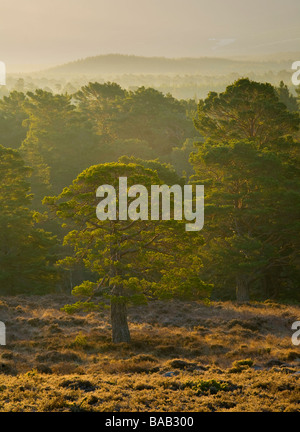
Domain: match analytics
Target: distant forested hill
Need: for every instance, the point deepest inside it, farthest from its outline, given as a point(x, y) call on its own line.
point(117, 63)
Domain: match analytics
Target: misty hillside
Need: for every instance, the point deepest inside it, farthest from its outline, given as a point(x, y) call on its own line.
point(130, 64)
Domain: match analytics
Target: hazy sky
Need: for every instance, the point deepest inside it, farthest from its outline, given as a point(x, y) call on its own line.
point(57, 31)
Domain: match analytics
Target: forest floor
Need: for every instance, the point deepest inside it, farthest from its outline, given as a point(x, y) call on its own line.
point(184, 357)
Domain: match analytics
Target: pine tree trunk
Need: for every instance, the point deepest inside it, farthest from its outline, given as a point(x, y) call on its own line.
point(242, 289)
point(120, 330)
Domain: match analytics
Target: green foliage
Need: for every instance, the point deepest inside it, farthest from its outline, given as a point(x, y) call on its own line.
point(286, 97)
point(165, 171)
point(131, 260)
point(85, 289)
point(81, 306)
point(80, 341)
point(244, 362)
point(132, 147)
point(57, 145)
point(12, 115)
point(180, 157)
point(211, 386)
point(26, 252)
point(60, 135)
point(247, 157)
point(246, 110)
point(250, 170)
point(146, 115)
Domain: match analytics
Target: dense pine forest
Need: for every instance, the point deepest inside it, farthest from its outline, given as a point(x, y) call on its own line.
point(241, 144)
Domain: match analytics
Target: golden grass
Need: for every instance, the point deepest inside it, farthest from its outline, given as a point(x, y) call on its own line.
point(184, 356)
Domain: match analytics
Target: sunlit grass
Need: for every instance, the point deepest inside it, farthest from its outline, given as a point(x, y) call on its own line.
point(217, 357)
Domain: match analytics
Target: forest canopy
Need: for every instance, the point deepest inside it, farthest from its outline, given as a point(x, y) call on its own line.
point(242, 144)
